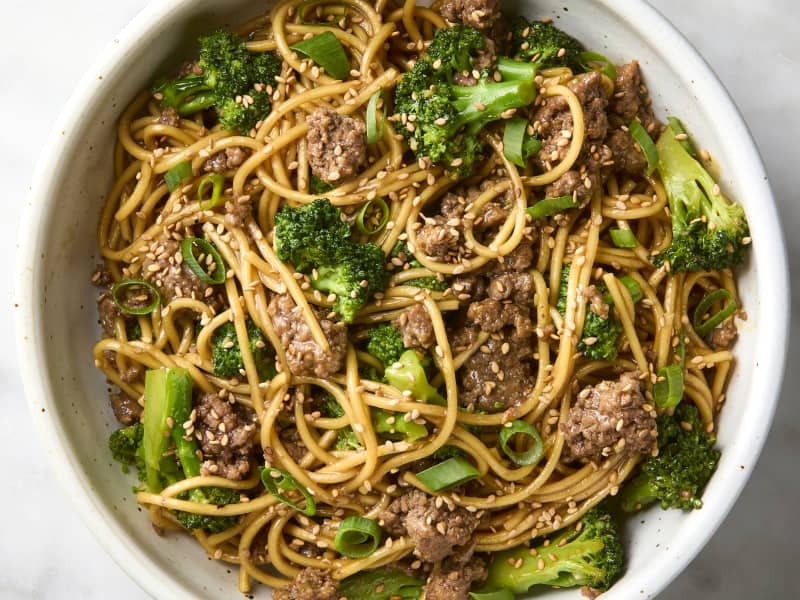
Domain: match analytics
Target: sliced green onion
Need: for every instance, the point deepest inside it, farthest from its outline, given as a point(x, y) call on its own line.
point(358, 537)
point(588, 59)
point(623, 238)
point(533, 454)
point(502, 594)
point(374, 123)
point(132, 289)
point(216, 181)
point(327, 51)
point(551, 206)
point(634, 289)
point(646, 143)
point(677, 127)
point(703, 328)
point(277, 481)
point(513, 139)
point(176, 174)
point(216, 276)
point(454, 471)
point(668, 390)
point(380, 203)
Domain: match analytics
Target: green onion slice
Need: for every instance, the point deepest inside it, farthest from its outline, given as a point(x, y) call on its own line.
point(530, 456)
point(703, 328)
point(591, 60)
point(364, 213)
point(518, 146)
point(646, 143)
point(176, 174)
point(668, 390)
point(502, 594)
point(633, 287)
point(277, 481)
point(551, 206)
point(677, 127)
point(623, 238)
point(206, 248)
point(130, 296)
point(327, 51)
point(454, 471)
point(358, 537)
point(216, 181)
point(375, 123)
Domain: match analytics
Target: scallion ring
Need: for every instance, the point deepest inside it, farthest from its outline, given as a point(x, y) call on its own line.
point(634, 289)
point(277, 481)
point(677, 127)
point(530, 456)
point(375, 123)
point(622, 238)
point(327, 51)
point(703, 328)
point(216, 181)
point(451, 472)
point(176, 174)
point(607, 68)
point(363, 216)
point(212, 277)
point(129, 287)
point(358, 537)
point(646, 143)
point(551, 206)
point(668, 390)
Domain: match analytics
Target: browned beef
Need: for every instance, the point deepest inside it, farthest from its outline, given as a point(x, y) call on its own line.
point(493, 316)
point(108, 311)
point(519, 259)
point(304, 355)
point(631, 99)
point(291, 440)
point(438, 240)
point(452, 581)
point(480, 14)
point(224, 161)
point(163, 266)
point(722, 337)
point(226, 433)
point(484, 59)
point(435, 525)
point(126, 409)
point(492, 215)
point(169, 116)
point(608, 414)
point(627, 154)
point(310, 584)
point(416, 327)
point(237, 211)
point(597, 302)
point(337, 145)
point(512, 285)
point(469, 287)
point(498, 376)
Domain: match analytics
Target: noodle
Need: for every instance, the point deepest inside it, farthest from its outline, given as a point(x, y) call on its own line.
point(271, 543)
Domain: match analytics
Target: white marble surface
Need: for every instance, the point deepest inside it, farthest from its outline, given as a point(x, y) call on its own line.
point(45, 551)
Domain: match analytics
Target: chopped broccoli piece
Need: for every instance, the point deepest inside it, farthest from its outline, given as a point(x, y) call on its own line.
point(209, 495)
point(590, 557)
point(433, 283)
point(393, 426)
point(317, 185)
point(385, 344)
point(228, 71)
point(133, 331)
point(544, 44)
point(408, 374)
point(685, 462)
point(346, 438)
point(316, 239)
point(381, 584)
point(126, 447)
point(708, 232)
point(227, 359)
point(447, 117)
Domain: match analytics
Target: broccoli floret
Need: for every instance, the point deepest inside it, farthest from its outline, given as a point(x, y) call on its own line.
point(408, 375)
point(544, 44)
point(385, 344)
point(316, 239)
point(126, 447)
point(381, 584)
point(133, 331)
point(346, 438)
point(708, 232)
point(447, 117)
point(317, 185)
point(386, 427)
point(228, 71)
point(590, 557)
point(209, 495)
point(602, 334)
point(227, 359)
point(685, 462)
point(433, 283)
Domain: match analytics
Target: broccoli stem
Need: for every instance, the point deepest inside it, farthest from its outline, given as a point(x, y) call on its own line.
point(408, 375)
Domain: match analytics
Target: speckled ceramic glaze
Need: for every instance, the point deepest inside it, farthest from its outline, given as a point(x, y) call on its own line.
point(57, 321)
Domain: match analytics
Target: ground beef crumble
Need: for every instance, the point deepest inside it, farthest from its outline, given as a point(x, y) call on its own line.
point(454, 578)
point(416, 327)
point(162, 265)
point(226, 433)
point(226, 160)
point(337, 145)
point(310, 584)
point(126, 409)
point(480, 14)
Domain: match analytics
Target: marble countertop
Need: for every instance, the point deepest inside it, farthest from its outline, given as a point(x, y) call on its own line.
point(45, 550)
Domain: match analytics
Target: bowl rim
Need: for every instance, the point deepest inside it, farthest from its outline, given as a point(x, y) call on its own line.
point(682, 58)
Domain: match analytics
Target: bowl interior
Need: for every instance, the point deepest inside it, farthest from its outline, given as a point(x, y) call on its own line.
point(59, 325)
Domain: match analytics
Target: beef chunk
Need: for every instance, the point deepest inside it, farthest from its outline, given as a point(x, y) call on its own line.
point(597, 302)
point(498, 376)
point(163, 266)
point(480, 14)
point(722, 337)
point(437, 239)
point(310, 584)
point(226, 433)
point(291, 440)
point(304, 355)
point(435, 525)
point(225, 161)
point(416, 327)
point(484, 60)
point(169, 116)
point(608, 414)
point(627, 155)
point(514, 286)
point(126, 409)
point(108, 311)
point(631, 99)
point(493, 316)
point(237, 211)
point(452, 581)
point(337, 145)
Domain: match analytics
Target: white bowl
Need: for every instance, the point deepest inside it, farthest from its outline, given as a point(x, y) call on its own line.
point(57, 319)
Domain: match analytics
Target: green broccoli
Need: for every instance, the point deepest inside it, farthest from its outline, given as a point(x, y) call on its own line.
point(167, 405)
point(381, 584)
point(591, 556)
point(408, 375)
point(544, 44)
point(125, 445)
point(226, 355)
point(708, 232)
point(685, 462)
point(385, 343)
point(433, 283)
point(317, 185)
point(232, 81)
point(316, 239)
point(442, 119)
point(133, 331)
point(346, 438)
point(600, 335)
point(387, 425)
